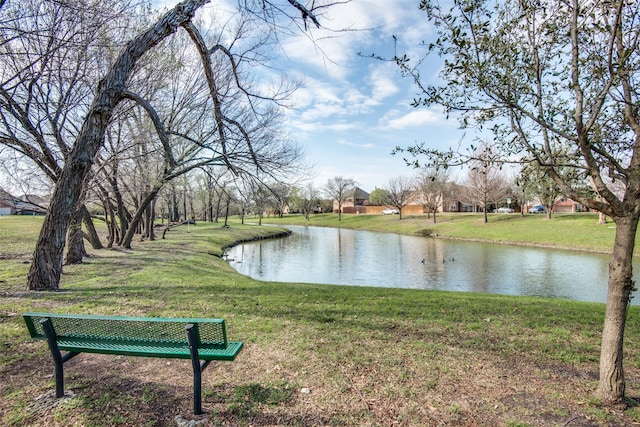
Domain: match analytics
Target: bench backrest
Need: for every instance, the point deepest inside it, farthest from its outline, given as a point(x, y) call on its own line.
point(211, 332)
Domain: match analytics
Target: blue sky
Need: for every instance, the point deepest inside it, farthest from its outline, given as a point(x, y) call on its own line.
point(352, 111)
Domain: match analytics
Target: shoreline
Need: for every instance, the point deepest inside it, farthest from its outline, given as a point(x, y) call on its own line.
point(524, 244)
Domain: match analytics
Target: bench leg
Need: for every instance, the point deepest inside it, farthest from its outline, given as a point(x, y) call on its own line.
point(58, 358)
point(197, 368)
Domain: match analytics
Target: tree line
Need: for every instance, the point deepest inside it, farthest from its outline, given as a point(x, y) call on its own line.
point(113, 103)
point(485, 184)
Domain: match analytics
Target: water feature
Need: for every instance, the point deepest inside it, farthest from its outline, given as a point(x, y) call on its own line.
point(362, 258)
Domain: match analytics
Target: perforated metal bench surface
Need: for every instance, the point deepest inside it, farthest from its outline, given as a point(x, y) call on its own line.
point(181, 338)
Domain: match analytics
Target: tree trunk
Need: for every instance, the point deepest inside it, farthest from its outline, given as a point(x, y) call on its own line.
point(75, 248)
point(46, 267)
point(219, 201)
point(611, 386)
point(176, 211)
point(152, 217)
point(184, 205)
point(121, 210)
point(226, 214)
point(602, 218)
point(113, 228)
point(126, 241)
point(92, 234)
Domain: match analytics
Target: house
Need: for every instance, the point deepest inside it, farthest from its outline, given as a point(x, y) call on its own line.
point(561, 205)
point(566, 205)
point(6, 208)
point(355, 202)
point(358, 203)
point(7, 203)
point(28, 205)
point(452, 200)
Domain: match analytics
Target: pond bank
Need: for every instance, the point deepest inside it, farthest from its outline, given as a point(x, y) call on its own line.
point(577, 232)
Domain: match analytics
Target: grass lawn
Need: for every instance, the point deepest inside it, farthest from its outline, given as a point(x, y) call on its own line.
point(315, 355)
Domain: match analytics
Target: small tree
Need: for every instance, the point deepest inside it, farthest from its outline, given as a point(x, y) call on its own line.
point(378, 196)
point(339, 189)
point(308, 197)
point(431, 185)
point(537, 183)
point(281, 195)
point(485, 183)
point(400, 192)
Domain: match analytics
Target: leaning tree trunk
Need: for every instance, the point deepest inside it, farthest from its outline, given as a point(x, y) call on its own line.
point(120, 210)
point(611, 386)
point(75, 251)
point(144, 205)
point(91, 234)
point(46, 266)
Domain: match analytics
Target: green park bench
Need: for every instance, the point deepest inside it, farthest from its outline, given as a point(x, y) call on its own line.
point(201, 340)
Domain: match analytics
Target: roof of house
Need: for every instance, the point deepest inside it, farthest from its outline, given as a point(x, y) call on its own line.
point(29, 202)
point(4, 195)
point(359, 193)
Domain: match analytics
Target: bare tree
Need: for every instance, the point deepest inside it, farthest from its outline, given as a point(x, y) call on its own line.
point(339, 189)
point(431, 185)
point(102, 103)
point(308, 198)
point(282, 195)
point(484, 184)
point(50, 55)
point(537, 183)
point(400, 192)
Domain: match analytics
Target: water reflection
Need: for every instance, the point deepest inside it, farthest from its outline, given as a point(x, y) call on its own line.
point(361, 258)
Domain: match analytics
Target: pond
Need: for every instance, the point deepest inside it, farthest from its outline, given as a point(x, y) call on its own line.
point(362, 258)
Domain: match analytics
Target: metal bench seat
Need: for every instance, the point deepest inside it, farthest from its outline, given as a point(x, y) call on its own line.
point(201, 340)
point(148, 348)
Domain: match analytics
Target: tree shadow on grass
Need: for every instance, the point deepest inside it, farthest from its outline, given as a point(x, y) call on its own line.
point(123, 391)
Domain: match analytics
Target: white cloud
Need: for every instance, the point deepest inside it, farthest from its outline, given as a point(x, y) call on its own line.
point(351, 110)
point(383, 80)
point(412, 119)
point(354, 27)
point(343, 141)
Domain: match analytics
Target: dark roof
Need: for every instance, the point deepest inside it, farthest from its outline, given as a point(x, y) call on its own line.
point(359, 193)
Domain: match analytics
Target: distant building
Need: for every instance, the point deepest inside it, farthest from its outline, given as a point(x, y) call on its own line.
point(566, 205)
point(355, 202)
point(28, 205)
point(6, 208)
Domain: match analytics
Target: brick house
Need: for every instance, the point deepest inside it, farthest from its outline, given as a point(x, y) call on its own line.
point(355, 203)
point(566, 205)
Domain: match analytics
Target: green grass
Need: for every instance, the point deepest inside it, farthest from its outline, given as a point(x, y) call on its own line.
point(369, 356)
